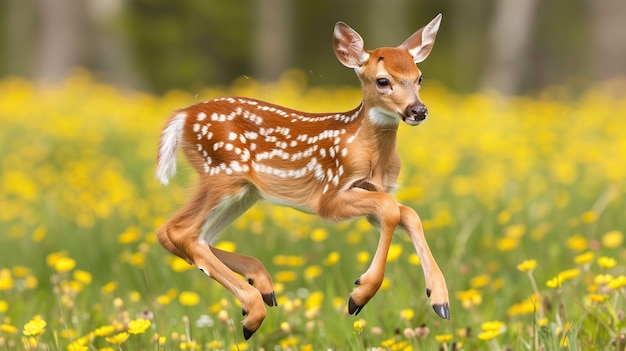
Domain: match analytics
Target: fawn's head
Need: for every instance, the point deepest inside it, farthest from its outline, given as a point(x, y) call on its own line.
point(389, 76)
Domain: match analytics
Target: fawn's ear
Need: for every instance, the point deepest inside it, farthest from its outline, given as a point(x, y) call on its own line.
point(421, 42)
point(349, 47)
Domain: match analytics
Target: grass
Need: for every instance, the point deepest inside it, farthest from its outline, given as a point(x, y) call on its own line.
point(522, 201)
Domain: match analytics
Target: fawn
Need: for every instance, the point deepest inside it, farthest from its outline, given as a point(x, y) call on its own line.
point(336, 165)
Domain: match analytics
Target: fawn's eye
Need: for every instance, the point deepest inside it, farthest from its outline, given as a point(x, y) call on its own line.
point(382, 82)
point(419, 80)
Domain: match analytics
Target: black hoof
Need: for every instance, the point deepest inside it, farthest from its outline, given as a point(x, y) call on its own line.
point(247, 333)
point(357, 282)
point(244, 312)
point(353, 308)
point(442, 311)
point(270, 299)
point(427, 292)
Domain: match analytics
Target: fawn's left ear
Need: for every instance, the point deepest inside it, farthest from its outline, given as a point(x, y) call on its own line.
point(421, 42)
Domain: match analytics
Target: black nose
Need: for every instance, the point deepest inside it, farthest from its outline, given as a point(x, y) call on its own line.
point(417, 112)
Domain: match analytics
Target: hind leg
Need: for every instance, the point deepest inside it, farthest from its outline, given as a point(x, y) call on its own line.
point(188, 232)
point(252, 269)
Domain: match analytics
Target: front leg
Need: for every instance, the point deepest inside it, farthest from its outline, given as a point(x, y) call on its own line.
point(383, 207)
point(436, 287)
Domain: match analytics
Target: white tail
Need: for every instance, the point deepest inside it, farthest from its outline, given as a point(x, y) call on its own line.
point(336, 165)
point(168, 147)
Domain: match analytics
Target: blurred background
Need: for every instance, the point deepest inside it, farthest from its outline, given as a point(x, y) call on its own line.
point(514, 47)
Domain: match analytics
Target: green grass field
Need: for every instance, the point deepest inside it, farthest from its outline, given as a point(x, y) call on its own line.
point(523, 203)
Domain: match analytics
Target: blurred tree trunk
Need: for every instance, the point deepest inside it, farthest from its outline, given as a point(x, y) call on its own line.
point(63, 27)
point(609, 38)
point(18, 30)
point(272, 32)
point(112, 51)
point(387, 23)
point(510, 34)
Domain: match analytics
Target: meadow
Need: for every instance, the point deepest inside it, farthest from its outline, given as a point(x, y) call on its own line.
point(523, 203)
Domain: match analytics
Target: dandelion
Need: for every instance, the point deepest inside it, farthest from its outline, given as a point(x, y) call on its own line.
point(469, 298)
point(443, 338)
point(527, 266)
point(64, 264)
point(358, 326)
point(584, 258)
point(34, 327)
point(130, 235)
point(607, 262)
point(312, 272)
point(138, 326)
point(577, 243)
point(395, 250)
point(286, 276)
point(118, 339)
point(8, 328)
point(363, 257)
point(178, 264)
point(414, 259)
point(228, 246)
point(188, 298)
point(589, 216)
point(319, 234)
point(480, 281)
point(407, 314)
point(82, 276)
point(332, 258)
point(612, 239)
point(104, 330)
point(6, 279)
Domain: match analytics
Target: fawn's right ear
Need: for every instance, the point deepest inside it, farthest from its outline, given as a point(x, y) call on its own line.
point(348, 46)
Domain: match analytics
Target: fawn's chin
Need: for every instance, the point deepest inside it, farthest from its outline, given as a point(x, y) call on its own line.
point(413, 122)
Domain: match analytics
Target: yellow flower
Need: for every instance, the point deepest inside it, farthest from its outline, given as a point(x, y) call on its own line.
point(34, 327)
point(363, 257)
point(332, 258)
point(488, 335)
point(4, 306)
point(118, 339)
point(82, 276)
point(395, 250)
point(597, 297)
point(312, 272)
point(358, 325)
point(507, 244)
point(493, 325)
point(480, 281)
point(188, 298)
point(130, 235)
point(109, 287)
point(104, 330)
point(584, 258)
point(228, 246)
point(138, 326)
point(589, 216)
point(617, 283)
point(178, 264)
point(469, 298)
point(64, 264)
point(163, 299)
point(612, 239)
point(527, 265)
point(286, 276)
point(407, 314)
point(607, 262)
point(6, 279)
point(319, 234)
point(414, 259)
point(7, 328)
point(443, 338)
point(577, 243)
